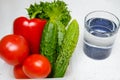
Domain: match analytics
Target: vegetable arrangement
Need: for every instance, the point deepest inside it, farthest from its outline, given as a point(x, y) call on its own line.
point(41, 46)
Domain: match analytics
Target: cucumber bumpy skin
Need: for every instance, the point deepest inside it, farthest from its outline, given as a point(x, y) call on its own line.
point(67, 48)
point(52, 38)
point(49, 42)
point(60, 35)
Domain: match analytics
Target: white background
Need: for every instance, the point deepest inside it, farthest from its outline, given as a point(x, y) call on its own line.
point(81, 67)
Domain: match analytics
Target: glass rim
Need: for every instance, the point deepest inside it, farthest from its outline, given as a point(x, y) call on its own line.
point(104, 12)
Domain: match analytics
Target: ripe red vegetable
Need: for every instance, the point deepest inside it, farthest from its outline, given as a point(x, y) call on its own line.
point(31, 29)
point(13, 49)
point(37, 66)
point(18, 72)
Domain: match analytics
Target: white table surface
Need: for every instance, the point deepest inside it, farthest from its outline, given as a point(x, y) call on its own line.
point(81, 67)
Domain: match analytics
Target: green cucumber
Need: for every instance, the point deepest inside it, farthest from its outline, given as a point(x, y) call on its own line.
point(67, 48)
point(52, 38)
point(49, 42)
point(60, 34)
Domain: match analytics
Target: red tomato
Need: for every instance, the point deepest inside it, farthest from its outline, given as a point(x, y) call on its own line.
point(18, 72)
point(13, 49)
point(37, 66)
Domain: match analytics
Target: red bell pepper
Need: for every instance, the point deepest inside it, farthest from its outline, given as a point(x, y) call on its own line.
point(31, 29)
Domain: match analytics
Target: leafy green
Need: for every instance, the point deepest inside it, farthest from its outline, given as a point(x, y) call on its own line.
point(55, 10)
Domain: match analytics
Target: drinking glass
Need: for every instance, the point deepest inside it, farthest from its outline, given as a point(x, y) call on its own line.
point(101, 28)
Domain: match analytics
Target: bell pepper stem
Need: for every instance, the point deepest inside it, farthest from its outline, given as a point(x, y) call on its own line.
point(34, 14)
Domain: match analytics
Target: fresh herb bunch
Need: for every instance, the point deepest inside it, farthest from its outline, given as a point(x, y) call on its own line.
point(55, 10)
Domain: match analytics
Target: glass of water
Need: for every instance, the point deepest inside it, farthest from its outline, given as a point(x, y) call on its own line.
point(101, 28)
